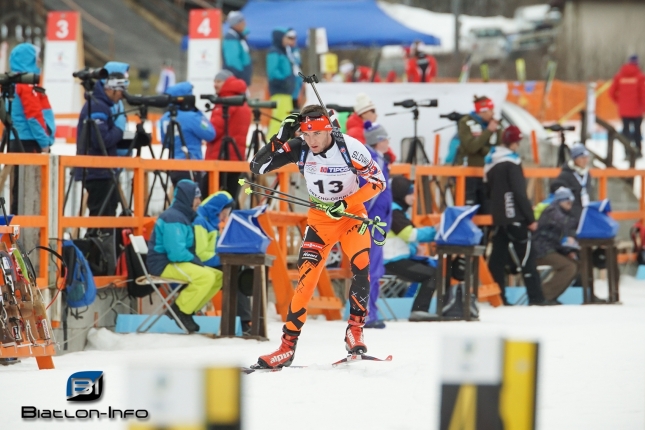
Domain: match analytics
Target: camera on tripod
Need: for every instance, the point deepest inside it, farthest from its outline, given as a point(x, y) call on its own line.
point(91, 74)
point(257, 104)
point(452, 116)
point(19, 78)
point(225, 101)
point(410, 103)
point(160, 101)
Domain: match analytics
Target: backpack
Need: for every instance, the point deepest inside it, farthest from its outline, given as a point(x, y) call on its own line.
point(130, 267)
point(79, 282)
point(454, 302)
point(100, 251)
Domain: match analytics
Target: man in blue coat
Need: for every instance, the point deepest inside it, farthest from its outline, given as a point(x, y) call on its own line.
point(106, 95)
point(195, 127)
point(280, 72)
point(378, 143)
point(172, 255)
point(235, 49)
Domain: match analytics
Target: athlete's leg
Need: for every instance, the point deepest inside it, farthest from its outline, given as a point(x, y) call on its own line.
point(357, 248)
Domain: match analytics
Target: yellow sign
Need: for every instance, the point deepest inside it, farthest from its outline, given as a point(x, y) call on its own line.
point(329, 63)
point(518, 396)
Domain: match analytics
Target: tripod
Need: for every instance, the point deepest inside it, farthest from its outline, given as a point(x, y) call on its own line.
point(91, 127)
point(173, 129)
point(8, 94)
point(142, 139)
point(228, 180)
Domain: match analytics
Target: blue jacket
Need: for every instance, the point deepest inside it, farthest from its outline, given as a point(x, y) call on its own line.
point(173, 239)
point(236, 55)
point(110, 133)
point(381, 205)
point(194, 125)
point(279, 68)
point(30, 111)
point(207, 227)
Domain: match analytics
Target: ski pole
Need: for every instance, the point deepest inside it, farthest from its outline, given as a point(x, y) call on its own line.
point(272, 190)
point(313, 80)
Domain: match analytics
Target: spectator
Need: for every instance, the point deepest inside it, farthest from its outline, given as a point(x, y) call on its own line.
point(349, 73)
point(166, 78)
point(31, 113)
point(378, 144)
point(420, 67)
point(195, 128)
point(296, 61)
point(555, 244)
point(172, 255)
point(280, 72)
point(211, 217)
point(239, 121)
point(575, 176)
point(364, 110)
point(401, 247)
point(513, 218)
point(235, 50)
point(628, 92)
point(98, 182)
point(477, 132)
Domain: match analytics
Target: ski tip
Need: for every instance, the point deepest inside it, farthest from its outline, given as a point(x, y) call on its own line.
point(388, 358)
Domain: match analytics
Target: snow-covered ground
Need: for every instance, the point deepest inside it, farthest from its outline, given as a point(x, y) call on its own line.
point(591, 375)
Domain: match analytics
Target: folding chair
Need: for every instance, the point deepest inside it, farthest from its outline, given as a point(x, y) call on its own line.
point(140, 247)
point(391, 287)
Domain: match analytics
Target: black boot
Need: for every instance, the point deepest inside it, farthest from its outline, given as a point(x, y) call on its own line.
point(186, 320)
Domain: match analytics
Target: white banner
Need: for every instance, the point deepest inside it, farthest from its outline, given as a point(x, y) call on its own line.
point(204, 51)
point(451, 97)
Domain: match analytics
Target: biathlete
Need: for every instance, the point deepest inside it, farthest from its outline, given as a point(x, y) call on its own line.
point(331, 165)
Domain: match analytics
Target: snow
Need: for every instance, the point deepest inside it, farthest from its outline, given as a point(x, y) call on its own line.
point(442, 25)
point(590, 376)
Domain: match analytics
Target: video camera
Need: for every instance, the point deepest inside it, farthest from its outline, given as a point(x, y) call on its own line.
point(410, 103)
point(19, 78)
point(87, 74)
point(226, 101)
point(160, 101)
point(339, 108)
point(257, 104)
point(452, 116)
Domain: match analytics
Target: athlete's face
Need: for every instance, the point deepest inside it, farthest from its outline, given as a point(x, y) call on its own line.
point(317, 141)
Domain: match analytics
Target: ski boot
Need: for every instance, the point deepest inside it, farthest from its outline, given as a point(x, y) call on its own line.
point(283, 357)
point(354, 342)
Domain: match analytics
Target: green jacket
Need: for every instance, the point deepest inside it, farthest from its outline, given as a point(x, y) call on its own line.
point(475, 140)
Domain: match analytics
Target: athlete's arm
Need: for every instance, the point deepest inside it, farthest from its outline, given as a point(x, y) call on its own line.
point(274, 155)
point(369, 170)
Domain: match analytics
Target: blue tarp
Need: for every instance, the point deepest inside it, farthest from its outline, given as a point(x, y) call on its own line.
point(349, 23)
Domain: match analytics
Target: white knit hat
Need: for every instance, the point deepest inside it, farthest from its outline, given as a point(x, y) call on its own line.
point(363, 104)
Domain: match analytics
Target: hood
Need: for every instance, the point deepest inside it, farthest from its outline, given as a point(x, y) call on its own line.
point(499, 154)
point(400, 188)
point(232, 87)
point(184, 196)
point(99, 94)
point(630, 70)
point(213, 205)
point(180, 89)
point(23, 58)
point(276, 37)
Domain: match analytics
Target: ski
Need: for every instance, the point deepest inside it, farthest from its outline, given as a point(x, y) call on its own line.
point(355, 358)
point(347, 360)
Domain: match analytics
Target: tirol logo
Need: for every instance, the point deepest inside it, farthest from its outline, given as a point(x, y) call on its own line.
point(85, 386)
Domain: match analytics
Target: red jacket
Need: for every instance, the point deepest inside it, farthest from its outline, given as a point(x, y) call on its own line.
point(414, 71)
point(239, 121)
point(355, 129)
point(628, 91)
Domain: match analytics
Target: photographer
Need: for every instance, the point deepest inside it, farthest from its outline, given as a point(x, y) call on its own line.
point(239, 121)
point(194, 126)
point(31, 113)
point(106, 94)
point(478, 132)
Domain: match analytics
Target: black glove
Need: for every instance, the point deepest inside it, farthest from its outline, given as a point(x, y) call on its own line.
point(288, 128)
